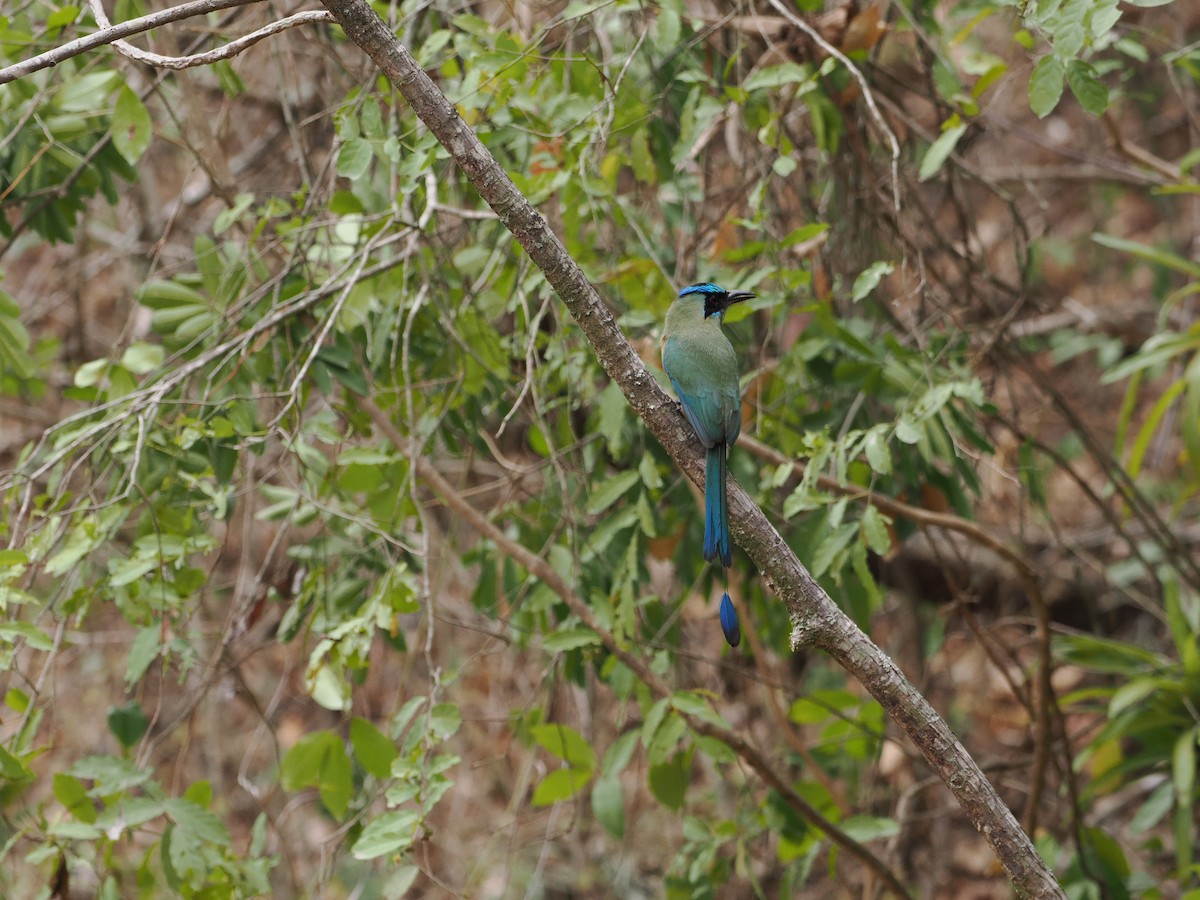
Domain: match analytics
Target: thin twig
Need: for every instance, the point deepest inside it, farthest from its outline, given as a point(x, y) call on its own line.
point(225, 51)
point(114, 33)
point(868, 94)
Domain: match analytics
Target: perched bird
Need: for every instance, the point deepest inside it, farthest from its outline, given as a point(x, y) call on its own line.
point(703, 369)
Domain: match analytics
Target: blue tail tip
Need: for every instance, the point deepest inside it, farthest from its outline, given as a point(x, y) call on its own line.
point(715, 549)
point(729, 621)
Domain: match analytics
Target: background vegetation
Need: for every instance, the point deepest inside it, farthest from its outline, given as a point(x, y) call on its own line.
point(251, 645)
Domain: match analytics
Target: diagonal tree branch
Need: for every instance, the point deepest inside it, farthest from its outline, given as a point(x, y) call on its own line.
point(816, 619)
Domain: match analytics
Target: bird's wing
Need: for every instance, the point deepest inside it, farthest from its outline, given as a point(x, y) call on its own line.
point(733, 417)
point(703, 410)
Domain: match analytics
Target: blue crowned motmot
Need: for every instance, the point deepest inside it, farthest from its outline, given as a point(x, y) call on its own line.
point(703, 369)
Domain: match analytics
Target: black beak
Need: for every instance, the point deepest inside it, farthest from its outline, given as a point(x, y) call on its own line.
point(716, 304)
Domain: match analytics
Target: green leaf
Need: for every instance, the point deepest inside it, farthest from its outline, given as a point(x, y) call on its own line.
point(570, 639)
point(1107, 655)
point(669, 781)
point(777, 76)
point(130, 812)
point(62, 17)
point(619, 753)
point(1046, 85)
point(1087, 87)
point(11, 768)
point(73, 831)
point(128, 723)
point(131, 128)
point(141, 358)
point(567, 744)
point(319, 760)
point(783, 166)
point(90, 373)
point(831, 544)
point(1189, 421)
point(1155, 255)
point(938, 152)
point(14, 340)
point(869, 828)
point(611, 490)
point(372, 748)
point(196, 821)
point(328, 688)
point(692, 703)
point(807, 711)
point(1158, 349)
point(612, 413)
point(33, 636)
point(1141, 443)
point(1183, 765)
point(200, 793)
point(869, 278)
point(227, 217)
point(1151, 812)
point(87, 93)
point(111, 775)
point(354, 158)
point(561, 784)
point(1130, 693)
point(648, 470)
point(71, 793)
point(665, 33)
point(160, 295)
point(666, 738)
point(445, 720)
point(645, 169)
point(142, 652)
point(608, 805)
point(875, 530)
point(879, 456)
point(389, 833)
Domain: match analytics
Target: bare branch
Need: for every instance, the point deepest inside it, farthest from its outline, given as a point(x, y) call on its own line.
point(225, 51)
point(115, 33)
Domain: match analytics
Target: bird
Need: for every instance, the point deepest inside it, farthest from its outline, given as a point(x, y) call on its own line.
point(703, 369)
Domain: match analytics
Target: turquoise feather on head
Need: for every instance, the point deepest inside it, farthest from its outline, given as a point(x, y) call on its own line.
point(716, 298)
point(705, 287)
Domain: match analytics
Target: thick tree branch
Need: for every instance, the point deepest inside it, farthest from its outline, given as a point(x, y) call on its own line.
point(817, 621)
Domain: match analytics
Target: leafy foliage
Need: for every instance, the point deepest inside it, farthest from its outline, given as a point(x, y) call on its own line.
point(237, 473)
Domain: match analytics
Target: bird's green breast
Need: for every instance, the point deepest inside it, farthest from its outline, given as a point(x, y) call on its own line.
point(696, 352)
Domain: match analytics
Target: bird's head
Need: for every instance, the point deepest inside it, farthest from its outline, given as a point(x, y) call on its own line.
point(715, 298)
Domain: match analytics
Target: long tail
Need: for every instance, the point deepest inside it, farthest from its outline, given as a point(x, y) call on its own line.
point(716, 515)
